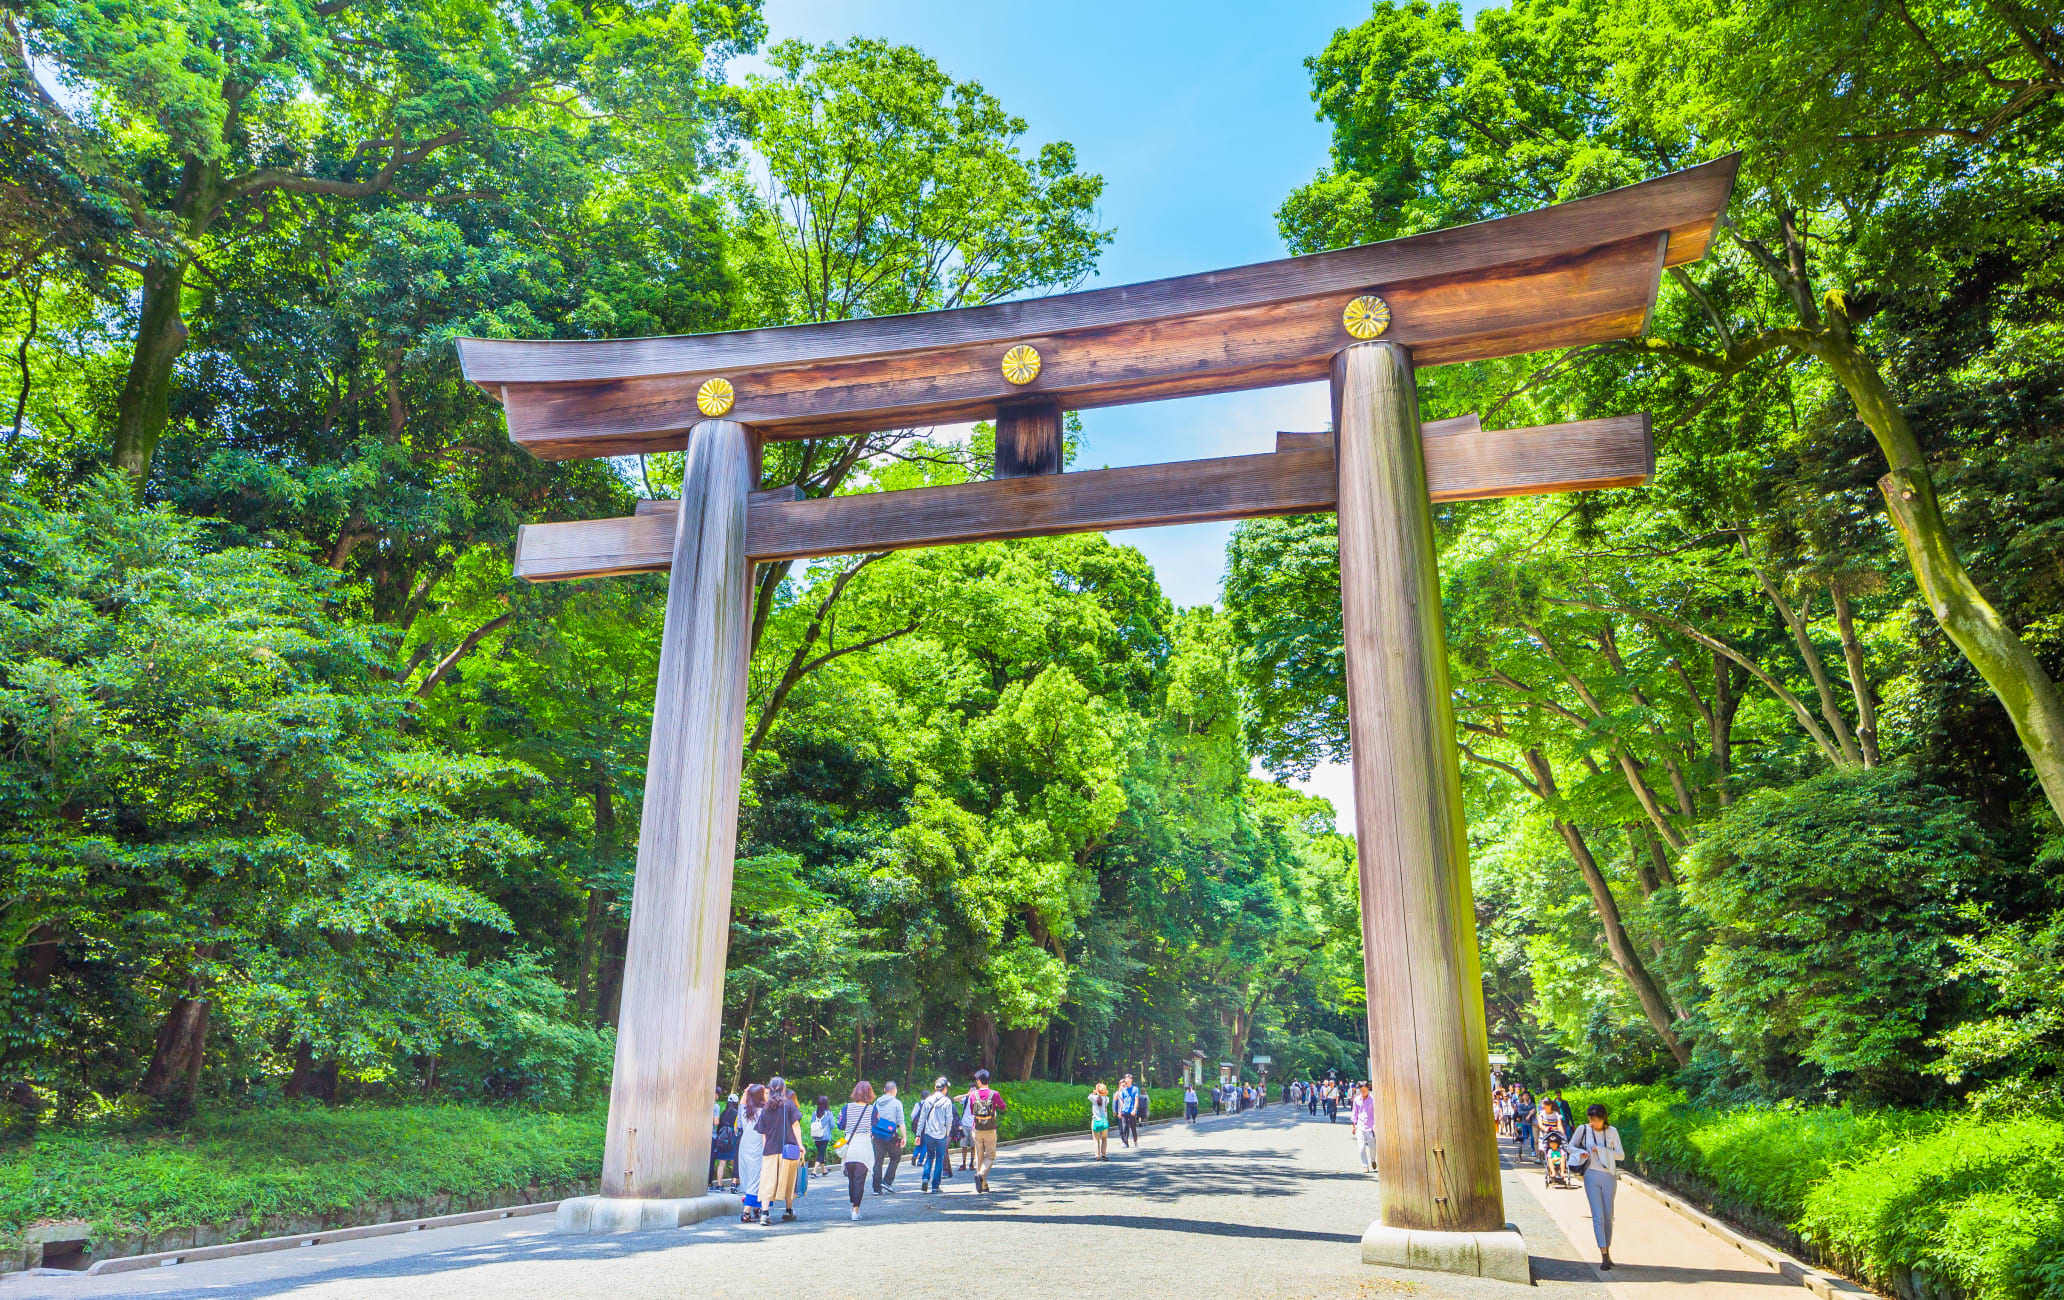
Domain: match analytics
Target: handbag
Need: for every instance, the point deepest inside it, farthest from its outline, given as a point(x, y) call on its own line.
point(886, 1129)
point(790, 1151)
point(860, 1123)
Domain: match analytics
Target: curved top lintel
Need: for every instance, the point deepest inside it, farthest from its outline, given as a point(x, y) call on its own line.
point(1687, 205)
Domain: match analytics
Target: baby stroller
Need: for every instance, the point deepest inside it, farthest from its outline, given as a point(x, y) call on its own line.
point(1555, 1162)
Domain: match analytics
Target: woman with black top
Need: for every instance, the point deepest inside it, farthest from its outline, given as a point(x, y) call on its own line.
point(779, 1134)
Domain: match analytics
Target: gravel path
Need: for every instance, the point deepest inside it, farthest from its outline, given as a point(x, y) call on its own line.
point(1265, 1205)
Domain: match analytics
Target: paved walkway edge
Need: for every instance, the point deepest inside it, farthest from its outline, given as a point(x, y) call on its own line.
point(1826, 1285)
point(259, 1245)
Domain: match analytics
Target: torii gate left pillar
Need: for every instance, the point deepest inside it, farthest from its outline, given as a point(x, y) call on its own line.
point(655, 1161)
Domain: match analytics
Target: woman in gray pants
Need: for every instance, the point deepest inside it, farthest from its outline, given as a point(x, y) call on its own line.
point(1597, 1147)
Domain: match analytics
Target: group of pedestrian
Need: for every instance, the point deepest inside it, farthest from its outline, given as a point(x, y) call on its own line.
point(1592, 1150)
point(1327, 1095)
point(761, 1138)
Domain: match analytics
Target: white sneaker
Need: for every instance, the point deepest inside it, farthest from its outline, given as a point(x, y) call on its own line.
point(856, 1214)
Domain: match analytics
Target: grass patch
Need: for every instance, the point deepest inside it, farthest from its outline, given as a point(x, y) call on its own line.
point(242, 1167)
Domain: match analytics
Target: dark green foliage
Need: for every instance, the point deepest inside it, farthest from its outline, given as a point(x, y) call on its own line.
point(1833, 905)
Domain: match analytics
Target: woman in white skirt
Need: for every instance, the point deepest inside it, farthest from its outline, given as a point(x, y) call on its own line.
point(857, 1117)
point(750, 1152)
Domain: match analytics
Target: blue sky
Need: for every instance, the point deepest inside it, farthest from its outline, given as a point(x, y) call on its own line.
point(1199, 117)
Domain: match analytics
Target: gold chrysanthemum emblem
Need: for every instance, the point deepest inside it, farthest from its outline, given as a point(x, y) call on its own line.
point(714, 398)
point(1366, 317)
point(1021, 364)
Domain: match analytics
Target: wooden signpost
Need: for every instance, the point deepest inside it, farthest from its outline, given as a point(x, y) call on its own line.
point(1576, 273)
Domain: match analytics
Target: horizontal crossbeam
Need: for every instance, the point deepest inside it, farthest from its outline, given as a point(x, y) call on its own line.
point(1463, 463)
point(1576, 273)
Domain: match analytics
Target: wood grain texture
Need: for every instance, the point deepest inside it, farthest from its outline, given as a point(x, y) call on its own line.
point(1590, 296)
point(1428, 429)
point(1685, 203)
point(1435, 1138)
point(1464, 465)
point(658, 1141)
point(1028, 438)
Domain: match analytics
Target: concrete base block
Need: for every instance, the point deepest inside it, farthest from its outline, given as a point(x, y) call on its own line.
point(588, 1215)
point(1497, 1254)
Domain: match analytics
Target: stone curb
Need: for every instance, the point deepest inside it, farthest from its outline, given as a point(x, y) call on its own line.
point(1823, 1284)
point(259, 1245)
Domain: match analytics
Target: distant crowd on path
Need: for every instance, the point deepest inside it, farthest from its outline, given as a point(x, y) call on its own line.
point(759, 1140)
point(1592, 1151)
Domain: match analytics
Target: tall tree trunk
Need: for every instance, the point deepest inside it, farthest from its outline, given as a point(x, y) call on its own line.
point(1720, 726)
point(611, 977)
point(175, 1064)
point(590, 941)
point(174, 1072)
point(2002, 658)
point(916, 1036)
point(859, 1049)
point(591, 922)
point(1019, 1046)
point(1859, 677)
point(982, 1037)
point(1618, 942)
point(304, 1071)
point(738, 1071)
point(1795, 622)
point(141, 410)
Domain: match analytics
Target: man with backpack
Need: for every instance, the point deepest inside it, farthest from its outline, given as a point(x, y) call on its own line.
point(934, 1124)
point(1128, 1118)
point(889, 1139)
point(985, 1106)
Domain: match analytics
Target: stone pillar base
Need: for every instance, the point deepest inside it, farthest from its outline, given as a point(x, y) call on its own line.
point(588, 1215)
point(1500, 1254)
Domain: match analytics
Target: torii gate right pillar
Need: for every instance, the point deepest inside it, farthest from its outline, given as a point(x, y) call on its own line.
point(1437, 1158)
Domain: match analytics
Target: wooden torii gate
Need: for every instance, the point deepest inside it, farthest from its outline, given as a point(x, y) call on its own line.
point(1575, 273)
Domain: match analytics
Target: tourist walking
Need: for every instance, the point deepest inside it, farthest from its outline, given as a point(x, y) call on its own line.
point(1597, 1148)
point(779, 1133)
point(1329, 1097)
point(1522, 1126)
point(1100, 1120)
point(856, 1120)
point(1547, 1124)
point(966, 1130)
point(932, 1123)
point(751, 1154)
point(1362, 1115)
point(1189, 1102)
point(1128, 1121)
point(1141, 1103)
point(889, 1139)
point(1311, 1099)
point(985, 1107)
point(723, 1141)
point(820, 1133)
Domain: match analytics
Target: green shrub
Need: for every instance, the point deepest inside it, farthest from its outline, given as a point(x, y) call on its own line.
point(1960, 1202)
point(1973, 1202)
point(288, 1160)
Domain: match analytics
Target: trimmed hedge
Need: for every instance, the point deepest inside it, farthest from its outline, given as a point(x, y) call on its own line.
point(1922, 1203)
